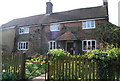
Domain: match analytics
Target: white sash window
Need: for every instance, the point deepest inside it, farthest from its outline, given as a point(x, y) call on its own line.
point(23, 45)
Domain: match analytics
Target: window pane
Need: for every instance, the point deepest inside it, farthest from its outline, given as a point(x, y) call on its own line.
point(88, 24)
point(89, 45)
point(84, 45)
point(93, 45)
point(50, 45)
point(20, 45)
point(58, 28)
point(92, 24)
point(84, 24)
point(25, 29)
point(26, 45)
point(88, 42)
point(50, 28)
point(53, 45)
point(22, 30)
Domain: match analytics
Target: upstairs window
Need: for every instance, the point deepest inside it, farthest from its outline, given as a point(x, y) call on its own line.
point(23, 45)
point(52, 45)
point(88, 24)
point(88, 45)
point(54, 27)
point(23, 30)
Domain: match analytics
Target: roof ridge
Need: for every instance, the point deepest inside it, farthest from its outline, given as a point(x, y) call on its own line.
point(77, 9)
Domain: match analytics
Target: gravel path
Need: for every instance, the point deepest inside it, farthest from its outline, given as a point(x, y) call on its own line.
point(39, 78)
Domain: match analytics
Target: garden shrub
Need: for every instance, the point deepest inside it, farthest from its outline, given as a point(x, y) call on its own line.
point(106, 60)
point(58, 54)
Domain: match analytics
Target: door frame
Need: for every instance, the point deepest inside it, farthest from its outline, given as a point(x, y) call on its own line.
point(70, 41)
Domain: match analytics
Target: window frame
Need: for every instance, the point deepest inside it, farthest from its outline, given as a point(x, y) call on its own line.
point(23, 42)
point(52, 45)
point(87, 45)
point(88, 22)
point(24, 30)
point(53, 27)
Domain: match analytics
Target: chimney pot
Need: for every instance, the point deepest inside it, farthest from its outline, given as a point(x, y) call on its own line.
point(105, 3)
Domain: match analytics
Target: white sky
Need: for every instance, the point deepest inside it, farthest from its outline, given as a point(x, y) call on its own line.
point(12, 9)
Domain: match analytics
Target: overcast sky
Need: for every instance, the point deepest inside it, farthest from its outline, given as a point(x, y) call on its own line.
point(12, 9)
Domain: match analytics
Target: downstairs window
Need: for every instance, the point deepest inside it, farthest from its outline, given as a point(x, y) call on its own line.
point(88, 45)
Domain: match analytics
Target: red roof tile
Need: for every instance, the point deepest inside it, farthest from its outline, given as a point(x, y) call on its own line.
point(67, 36)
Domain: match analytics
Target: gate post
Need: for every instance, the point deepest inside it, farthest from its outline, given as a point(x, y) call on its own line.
point(48, 68)
point(23, 66)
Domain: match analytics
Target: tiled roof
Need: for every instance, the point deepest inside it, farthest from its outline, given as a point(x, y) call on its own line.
point(67, 36)
point(77, 14)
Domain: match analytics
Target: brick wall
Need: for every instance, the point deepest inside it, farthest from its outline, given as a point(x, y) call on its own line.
point(75, 27)
point(38, 41)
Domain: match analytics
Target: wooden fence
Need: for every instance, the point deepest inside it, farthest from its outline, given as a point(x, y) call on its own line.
point(79, 69)
point(14, 64)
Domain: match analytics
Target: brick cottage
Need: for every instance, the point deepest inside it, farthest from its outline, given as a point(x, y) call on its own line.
point(68, 30)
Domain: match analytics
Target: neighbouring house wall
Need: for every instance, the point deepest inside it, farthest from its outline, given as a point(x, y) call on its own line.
point(0, 40)
point(7, 39)
point(119, 13)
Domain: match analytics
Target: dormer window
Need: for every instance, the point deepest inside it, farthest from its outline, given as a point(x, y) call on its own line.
point(54, 27)
point(23, 30)
point(88, 24)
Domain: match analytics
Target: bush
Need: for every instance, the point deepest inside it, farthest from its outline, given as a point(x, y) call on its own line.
point(106, 60)
point(58, 54)
point(106, 55)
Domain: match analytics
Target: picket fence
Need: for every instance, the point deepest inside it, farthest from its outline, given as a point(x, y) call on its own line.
point(14, 64)
point(80, 69)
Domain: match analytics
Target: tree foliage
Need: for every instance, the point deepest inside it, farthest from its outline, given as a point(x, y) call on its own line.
point(108, 33)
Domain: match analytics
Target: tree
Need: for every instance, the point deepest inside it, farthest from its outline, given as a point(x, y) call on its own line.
point(108, 33)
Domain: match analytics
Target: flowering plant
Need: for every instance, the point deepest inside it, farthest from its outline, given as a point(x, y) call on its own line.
point(10, 73)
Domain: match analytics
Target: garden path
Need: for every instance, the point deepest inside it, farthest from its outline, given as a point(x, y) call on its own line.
point(39, 78)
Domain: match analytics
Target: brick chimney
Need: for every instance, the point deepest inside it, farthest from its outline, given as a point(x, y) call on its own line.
point(105, 4)
point(49, 7)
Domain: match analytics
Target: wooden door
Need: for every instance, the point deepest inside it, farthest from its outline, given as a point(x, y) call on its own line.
point(70, 48)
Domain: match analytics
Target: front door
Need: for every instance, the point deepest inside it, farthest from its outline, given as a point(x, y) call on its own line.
point(70, 47)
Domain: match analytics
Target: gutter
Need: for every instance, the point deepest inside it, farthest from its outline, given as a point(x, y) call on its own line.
point(7, 28)
point(71, 21)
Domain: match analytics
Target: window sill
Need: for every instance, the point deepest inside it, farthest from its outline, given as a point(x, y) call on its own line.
point(54, 31)
point(22, 49)
point(88, 28)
